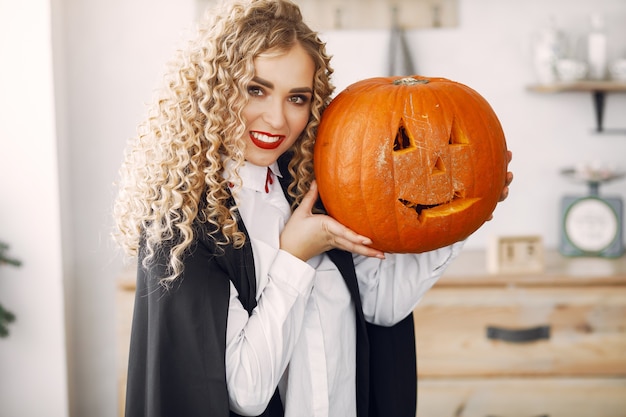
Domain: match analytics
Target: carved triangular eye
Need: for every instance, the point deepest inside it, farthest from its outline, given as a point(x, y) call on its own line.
point(403, 140)
point(439, 166)
point(457, 136)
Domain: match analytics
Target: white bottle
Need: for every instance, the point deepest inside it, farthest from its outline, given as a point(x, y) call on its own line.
point(548, 48)
point(596, 48)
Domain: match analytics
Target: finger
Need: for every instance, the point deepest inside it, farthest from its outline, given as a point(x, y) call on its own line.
point(504, 194)
point(336, 230)
point(308, 201)
point(344, 238)
point(509, 178)
point(360, 249)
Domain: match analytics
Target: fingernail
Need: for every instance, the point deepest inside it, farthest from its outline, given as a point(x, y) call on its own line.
point(366, 241)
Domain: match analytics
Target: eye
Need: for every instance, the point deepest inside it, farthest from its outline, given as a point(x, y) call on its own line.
point(255, 90)
point(299, 99)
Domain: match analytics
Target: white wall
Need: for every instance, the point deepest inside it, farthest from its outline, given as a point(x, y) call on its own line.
point(109, 56)
point(112, 54)
point(32, 359)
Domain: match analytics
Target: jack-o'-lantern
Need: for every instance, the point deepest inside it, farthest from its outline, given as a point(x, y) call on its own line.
point(414, 163)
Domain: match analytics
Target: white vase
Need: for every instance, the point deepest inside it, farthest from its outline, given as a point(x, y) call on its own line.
point(548, 47)
point(596, 48)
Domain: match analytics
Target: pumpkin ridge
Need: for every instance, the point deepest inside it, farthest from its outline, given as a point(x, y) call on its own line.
point(374, 214)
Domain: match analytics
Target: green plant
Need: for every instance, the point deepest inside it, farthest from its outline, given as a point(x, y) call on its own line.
point(6, 317)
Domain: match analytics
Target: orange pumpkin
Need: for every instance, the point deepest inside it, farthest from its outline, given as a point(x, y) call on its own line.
point(414, 163)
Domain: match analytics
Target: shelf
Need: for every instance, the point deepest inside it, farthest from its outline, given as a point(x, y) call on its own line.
point(584, 86)
point(326, 15)
point(598, 89)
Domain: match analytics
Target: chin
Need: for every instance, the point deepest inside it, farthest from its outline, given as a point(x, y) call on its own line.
point(262, 160)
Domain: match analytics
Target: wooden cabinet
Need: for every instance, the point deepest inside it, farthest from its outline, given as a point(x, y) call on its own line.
point(525, 345)
point(576, 365)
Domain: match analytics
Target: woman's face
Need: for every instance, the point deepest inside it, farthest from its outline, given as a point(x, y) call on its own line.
point(280, 104)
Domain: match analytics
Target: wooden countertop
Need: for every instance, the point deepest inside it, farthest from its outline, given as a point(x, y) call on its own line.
point(470, 268)
point(127, 279)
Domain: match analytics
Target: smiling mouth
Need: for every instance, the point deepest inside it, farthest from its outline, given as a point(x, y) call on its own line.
point(417, 207)
point(265, 140)
point(458, 203)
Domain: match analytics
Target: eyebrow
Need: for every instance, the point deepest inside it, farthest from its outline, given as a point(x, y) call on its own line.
point(270, 85)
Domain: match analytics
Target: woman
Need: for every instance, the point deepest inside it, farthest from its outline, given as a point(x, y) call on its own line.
point(247, 302)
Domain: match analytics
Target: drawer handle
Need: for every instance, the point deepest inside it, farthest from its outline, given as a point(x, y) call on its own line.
point(518, 336)
point(543, 415)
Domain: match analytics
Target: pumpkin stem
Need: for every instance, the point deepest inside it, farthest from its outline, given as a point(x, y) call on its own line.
point(409, 81)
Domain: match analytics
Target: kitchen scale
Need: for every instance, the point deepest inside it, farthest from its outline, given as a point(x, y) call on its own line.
point(592, 225)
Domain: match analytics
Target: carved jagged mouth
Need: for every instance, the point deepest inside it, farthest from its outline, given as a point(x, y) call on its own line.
point(418, 207)
point(457, 203)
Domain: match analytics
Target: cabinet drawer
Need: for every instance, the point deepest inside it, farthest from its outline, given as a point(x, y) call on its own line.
point(521, 397)
point(587, 331)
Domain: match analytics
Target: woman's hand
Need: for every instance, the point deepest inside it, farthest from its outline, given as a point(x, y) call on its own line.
point(307, 234)
point(509, 179)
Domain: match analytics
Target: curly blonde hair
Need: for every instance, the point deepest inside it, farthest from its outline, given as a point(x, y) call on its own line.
point(172, 174)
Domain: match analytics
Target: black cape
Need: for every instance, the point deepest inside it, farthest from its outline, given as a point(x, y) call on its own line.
point(176, 363)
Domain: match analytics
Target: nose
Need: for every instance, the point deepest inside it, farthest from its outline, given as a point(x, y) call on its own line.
point(274, 114)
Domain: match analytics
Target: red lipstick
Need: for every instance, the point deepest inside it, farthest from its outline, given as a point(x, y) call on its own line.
point(266, 140)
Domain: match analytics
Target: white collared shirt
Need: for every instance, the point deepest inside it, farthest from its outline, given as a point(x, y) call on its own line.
point(301, 336)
